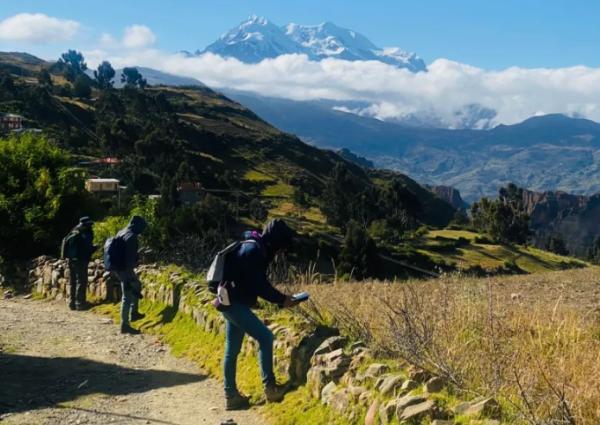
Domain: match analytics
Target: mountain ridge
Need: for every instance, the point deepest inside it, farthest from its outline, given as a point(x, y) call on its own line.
point(551, 152)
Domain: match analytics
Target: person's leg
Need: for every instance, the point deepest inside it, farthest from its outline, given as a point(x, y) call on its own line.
point(136, 288)
point(82, 281)
point(72, 284)
point(243, 318)
point(234, 336)
point(127, 298)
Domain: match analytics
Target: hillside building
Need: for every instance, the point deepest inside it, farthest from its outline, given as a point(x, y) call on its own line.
point(189, 192)
point(10, 122)
point(102, 185)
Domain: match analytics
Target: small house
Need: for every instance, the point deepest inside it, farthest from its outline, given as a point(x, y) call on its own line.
point(102, 185)
point(189, 192)
point(10, 122)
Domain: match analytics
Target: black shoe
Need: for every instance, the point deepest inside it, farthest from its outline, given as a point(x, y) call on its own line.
point(126, 329)
point(274, 392)
point(83, 307)
point(237, 402)
point(137, 316)
point(72, 307)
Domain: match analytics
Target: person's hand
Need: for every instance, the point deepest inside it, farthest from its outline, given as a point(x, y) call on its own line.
point(290, 302)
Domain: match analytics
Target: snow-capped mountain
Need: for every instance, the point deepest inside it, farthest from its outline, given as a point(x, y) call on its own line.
point(254, 40)
point(329, 40)
point(257, 38)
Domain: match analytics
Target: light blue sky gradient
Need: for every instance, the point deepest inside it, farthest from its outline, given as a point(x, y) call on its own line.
point(483, 33)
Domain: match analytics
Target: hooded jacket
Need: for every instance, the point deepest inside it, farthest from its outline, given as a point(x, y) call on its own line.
point(85, 243)
point(130, 236)
point(250, 262)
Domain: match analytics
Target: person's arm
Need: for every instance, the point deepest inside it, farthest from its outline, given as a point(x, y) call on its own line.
point(255, 270)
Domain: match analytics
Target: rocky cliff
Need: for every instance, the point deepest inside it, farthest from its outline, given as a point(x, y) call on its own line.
point(572, 218)
point(450, 195)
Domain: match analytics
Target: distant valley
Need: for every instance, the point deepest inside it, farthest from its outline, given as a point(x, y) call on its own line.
point(551, 152)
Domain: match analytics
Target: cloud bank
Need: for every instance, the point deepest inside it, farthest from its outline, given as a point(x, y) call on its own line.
point(514, 93)
point(37, 28)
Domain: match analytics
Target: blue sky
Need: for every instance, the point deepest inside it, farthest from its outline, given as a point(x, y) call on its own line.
point(487, 34)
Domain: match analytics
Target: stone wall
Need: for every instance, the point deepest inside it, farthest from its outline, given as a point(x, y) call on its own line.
point(339, 372)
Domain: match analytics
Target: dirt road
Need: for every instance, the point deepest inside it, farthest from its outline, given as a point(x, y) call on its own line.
point(63, 367)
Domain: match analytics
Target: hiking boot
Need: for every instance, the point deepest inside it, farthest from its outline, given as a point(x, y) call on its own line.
point(137, 316)
point(126, 329)
point(274, 392)
point(237, 402)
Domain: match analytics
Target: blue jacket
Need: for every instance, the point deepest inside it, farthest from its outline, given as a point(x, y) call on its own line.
point(130, 236)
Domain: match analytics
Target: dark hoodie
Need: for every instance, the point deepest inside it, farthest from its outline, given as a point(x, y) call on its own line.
point(130, 236)
point(250, 262)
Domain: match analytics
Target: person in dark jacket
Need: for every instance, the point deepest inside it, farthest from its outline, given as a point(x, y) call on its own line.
point(83, 239)
point(249, 275)
point(131, 287)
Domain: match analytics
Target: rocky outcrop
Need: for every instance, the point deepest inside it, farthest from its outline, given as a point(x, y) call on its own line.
point(341, 374)
point(450, 195)
point(573, 218)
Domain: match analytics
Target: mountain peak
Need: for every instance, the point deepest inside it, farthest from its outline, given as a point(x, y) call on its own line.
point(257, 38)
point(255, 20)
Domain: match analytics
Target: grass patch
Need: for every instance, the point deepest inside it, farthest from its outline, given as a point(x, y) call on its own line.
point(257, 176)
point(280, 189)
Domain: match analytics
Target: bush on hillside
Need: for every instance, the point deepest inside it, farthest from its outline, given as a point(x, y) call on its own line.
point(41, 196)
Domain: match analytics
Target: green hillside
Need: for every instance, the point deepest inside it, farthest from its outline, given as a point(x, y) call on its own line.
point(246, 170)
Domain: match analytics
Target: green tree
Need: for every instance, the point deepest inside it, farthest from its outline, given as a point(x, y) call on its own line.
point(504, 219)
point(104, 75)
point(82, 87)
point(557, 245)
point(594, 251)
point(44, 78)
point(74, 63)
point(132, 78)
point(41, 196)
point(358, 257)
point(340, 196)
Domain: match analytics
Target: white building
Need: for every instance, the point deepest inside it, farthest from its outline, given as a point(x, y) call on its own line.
point(102, 185)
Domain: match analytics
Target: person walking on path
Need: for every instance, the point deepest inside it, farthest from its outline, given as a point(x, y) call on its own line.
point(77, 248)
point(248, 265)
point(131, 287)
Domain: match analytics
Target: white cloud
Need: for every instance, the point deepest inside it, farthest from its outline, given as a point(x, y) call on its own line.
point(37, 28)
point(138, 36)
point(515, 93)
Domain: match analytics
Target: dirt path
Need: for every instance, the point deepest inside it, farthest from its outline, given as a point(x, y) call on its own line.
point(63, 367)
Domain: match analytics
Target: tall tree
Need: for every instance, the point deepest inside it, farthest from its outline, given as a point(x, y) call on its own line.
point(104, 75)
point(82, 87)
point(74, 62)
point(504, 219)
point(358, 257)
point(131, 77)
point(44, 78)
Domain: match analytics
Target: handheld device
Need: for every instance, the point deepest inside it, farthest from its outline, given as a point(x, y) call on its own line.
point(301, 296)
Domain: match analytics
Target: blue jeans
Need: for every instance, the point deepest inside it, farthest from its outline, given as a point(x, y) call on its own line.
point(240, 320)
point(130, 285)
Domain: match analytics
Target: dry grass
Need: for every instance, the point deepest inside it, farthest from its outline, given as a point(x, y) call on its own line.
point(532, 341)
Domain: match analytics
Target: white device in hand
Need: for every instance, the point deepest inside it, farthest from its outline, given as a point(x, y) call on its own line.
point(301, 296)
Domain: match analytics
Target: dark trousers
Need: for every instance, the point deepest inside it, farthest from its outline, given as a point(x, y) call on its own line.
point(78, 282)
